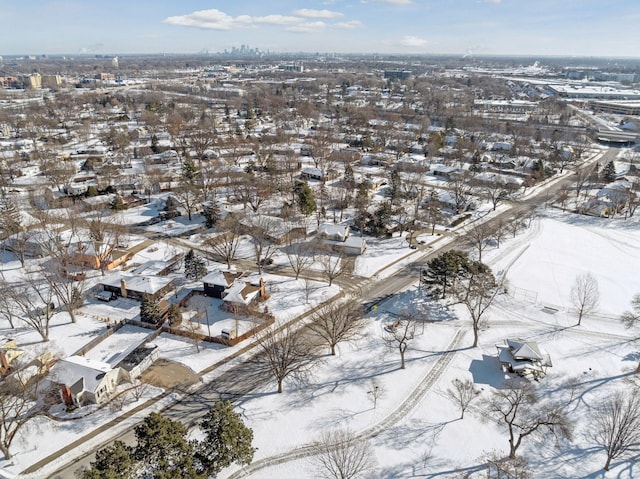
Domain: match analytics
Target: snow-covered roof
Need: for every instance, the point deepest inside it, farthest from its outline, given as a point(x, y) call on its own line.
point(70, 370)
point(222, 277)
point(242, 292)
point(330, 230)
point(140, 284)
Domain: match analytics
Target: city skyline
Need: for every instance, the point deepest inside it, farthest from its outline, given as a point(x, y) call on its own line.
point(591, 28)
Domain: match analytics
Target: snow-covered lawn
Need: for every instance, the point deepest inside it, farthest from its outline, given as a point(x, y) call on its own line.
point(430, 440)
point(414, 429)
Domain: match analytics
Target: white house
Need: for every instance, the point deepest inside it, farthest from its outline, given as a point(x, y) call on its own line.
point(86, 381)
point(337, 238)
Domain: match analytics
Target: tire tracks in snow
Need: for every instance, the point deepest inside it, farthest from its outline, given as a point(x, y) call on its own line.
point(409, 403)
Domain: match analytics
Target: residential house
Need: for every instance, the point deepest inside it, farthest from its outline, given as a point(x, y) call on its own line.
point(86, 381)
point(337, 238)
point(523, 358)
point(242, 294)
point(92, 254)
point(275, 229)
point(137, 286)
point(218, 281)
point(312, 173)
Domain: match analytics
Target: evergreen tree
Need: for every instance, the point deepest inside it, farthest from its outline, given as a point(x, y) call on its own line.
point(162, 447)
point(174, 315)
point(609, 172)
point(194, 267)
point(227, 439)
point(349, 177)
point(443, 270)
point(380, 219)
point(189, 173)
point(112, 462)
point(118, 203)
point(395, 188)
point(211, 213)
point(306, 202)
point(155, 146)
point(150, 310)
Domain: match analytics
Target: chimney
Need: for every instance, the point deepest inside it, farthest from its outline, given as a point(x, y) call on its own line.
point(123, 288)
point(263, 292)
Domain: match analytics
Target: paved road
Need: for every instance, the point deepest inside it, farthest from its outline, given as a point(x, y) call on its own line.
point(238, 383)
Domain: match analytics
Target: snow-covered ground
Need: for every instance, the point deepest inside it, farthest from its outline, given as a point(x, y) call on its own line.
point(428, 439)
point(414, 434)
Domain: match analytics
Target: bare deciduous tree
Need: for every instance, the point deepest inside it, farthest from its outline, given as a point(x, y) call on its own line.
point(400, 333)
point(585, 295)
point(300, 256)
point(617, 424)
point(499, 467)
point(632, 318)
point(7, 304)
point(19, 403)
point(34, 301)
point(338, 322)
point(520, 410)
point(462, 393)
point(262, 230)
point(286, 353)
point(477, 290)
point(479, 236)
point(340, 454)
point(333, 265)
point(225, 245)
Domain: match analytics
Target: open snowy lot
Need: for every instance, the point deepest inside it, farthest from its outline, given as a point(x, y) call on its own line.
point(414, 429)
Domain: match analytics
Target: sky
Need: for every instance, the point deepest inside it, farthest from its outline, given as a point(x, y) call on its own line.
point(602, 28)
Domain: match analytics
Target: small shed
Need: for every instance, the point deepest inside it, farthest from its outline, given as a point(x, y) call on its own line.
point(523, 358)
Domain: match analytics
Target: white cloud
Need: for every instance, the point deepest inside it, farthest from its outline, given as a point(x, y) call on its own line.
point(413, 42)
point(350, 24)
point(391, 2)
point(216, 20)
point(310, 13)
point(309, 27)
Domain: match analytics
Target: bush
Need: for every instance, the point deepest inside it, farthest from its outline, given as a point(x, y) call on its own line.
point(460, 220)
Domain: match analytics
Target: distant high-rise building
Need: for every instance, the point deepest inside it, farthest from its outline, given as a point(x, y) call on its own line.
point(400, 74)
point(114, 62)
point(34, 81)
point(51, 81)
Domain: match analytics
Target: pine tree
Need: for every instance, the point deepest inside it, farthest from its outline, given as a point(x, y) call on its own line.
point(194, 266)
point(306, 202)
point(174, 315)
point(609, 172)
point(211, 213)
point(162, 446)
point(118, 203)
point(150, 310)
point(112, 462)
point(349, 177)
point(227, 439)
point(443, 270)
point(395, 187)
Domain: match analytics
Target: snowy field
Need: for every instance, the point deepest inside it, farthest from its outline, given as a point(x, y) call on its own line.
point(414, 429)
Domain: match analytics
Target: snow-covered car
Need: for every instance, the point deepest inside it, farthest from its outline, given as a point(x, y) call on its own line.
point(106, 295)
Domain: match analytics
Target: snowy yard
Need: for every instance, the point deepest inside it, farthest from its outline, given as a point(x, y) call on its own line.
point(429, 439)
